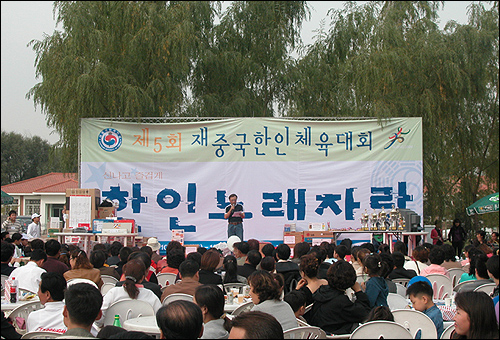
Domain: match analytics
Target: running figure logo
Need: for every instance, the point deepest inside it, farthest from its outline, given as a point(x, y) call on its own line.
point(398, 136)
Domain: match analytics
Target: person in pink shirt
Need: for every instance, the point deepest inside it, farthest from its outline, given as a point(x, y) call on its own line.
point(436, 256)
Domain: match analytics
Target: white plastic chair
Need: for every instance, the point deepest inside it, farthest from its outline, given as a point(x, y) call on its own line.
point(402, 281)
point(245, 307)
point(487, 288)
point(127, 309)
point(3, 279)
point(309, 332)
point(396, 301)
point(380, 329)
point(21, 314)
point(109, 278)
point(401, 289)
point(106, 287)
point(163, 278)
point(302, 323)
point(80, 280)
point(455, 274)
point(176, 296)
point(413, 321)
point(441, 285)
point(447, 332)
point(362, 278)
point(229, 286)
point(41, 335)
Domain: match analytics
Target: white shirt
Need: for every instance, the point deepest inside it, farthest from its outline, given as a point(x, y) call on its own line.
point(48, 319)
point(34, 230)
point(119, 293)
point(28, 276)
point(416, 266)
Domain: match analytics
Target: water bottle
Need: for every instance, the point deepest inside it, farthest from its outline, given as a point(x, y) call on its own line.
point(117, 321)
point(13, 290)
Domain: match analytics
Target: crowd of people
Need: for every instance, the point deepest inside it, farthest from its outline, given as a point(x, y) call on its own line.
point(314, 286)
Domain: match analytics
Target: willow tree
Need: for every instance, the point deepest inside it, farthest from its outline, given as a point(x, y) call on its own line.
point(390, 59)
point(117, 59)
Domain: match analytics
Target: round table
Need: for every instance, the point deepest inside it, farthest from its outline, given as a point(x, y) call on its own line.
point(8, 307)
point(229, 308)
point(146, 324)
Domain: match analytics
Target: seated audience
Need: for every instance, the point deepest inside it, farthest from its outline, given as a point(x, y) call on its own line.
point(97, 259)
point(180, 320)
point(252, 260)
point(81, 268)
point(114, 251)
point(240, 251)
point(265, 293)
point(376, 287)
point(188, 271)
point(244, 326)
point(300, 249)
point(64, 255)
point(470, 273)
point(53, 249)
point(131, 335)
point(481, 274)
point(420, 294)
point(51, 295)
point(134, 274)
point(321, 256)
point(450, 260)
point(399, 271)
point(107, 331)
point(436, 257)
point(149, 251)
point(209, 263)
point(493, 273)
point(332, 310)
point(7, 330)
point(340, 252)
point(289, 269)
point(329, 249)
point(174, 259)
point(309, 283)
point(466, 261)
point(170, 246)
point(420, 257)
point(7, 251)
point(145, 259)
point(210, 299)
point(155, 246)
point(475, 317)
point(380, 313)
point(268, 250)
point(268, 264)
point(386, 270)
point(195, 256)
point(82, 307)
point(361, 254)
point(400, 246)
point(123, 255)
point(297, 300)
point(231, 268)
point(29, 275)
point(354, 257)
point(253, 244)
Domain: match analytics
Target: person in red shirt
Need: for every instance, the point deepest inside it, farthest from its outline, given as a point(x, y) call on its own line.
point(437, 234)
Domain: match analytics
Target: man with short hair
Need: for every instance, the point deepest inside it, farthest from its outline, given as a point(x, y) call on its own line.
point(11, 225)
point(234, 216)
point(7, 252)
point(82, 307)
point(240, 250)
point(289, 269)
point(34, 229)
point(29, 275)
point(252, 261)
point(16, 241)
point(180, 320)
point(244, 326)
point(190, 277)
point(53, 265)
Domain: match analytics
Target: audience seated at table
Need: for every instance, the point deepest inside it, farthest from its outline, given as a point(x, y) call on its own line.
point(7, 252)
point(399, 272)
point(475, 318)
point(470, 273)
point(53, 250)
point(420, 294)
point(450, 261)
point(82, 307)
point(154, 287)
point(190, 277)
point(180, 320)
point(210, 298)
point(240, 251)
point(420, 257)
point(170, 246)
point(174, 259)
point(146, 259)
point(98, 259)
point(114, 252)
point(7, 330)
point(309, 283)
point(231, 268)
point(252, 260)
point(481, 274)
point(81, 268)
point(123, 255)
point(244, 326)
point(131, 289)
point(436, 257)
point(332, 310)
point(297, 301)
point(209, 263)
point(268, 263)
point(300, 249)
point(29, 275)
point(376, 287)
point(265, 292)
point(51, 295)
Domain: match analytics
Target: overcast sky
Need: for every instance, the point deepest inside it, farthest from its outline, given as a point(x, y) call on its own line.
point(23, 21)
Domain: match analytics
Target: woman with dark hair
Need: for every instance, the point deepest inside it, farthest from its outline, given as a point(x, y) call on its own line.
point(81, 268)
point(332, 310)
point(450, 261)
point(310, 283)
point(299, 250)
point(98, 258)
point(210, 298)
point(265, 292)
point(475, 318)
point(231, 268)
point(420, 257)
point(470, 273)
point(174, 259)
point(209, 263)
point(132, 289)
point(457, 236)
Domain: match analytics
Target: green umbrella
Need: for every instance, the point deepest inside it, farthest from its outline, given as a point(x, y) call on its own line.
point(484, 205)
point(6, 198)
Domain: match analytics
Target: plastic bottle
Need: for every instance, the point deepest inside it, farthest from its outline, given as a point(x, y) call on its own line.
point(117, 321)
point(13, 290)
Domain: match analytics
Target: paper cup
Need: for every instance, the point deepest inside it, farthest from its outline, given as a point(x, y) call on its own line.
point(240, 298)
point(447, 301)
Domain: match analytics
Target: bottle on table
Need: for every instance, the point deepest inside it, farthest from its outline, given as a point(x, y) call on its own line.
point(13, 290)
point(117, 321)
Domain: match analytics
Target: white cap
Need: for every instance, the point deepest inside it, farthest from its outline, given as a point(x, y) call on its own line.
point(35, 215)
point(153, 243)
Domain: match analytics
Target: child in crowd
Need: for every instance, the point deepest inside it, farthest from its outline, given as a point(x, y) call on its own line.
point(361, 254)
point(420, 294)
point(380, 313)
point(376, 287)
point(340, 252)
point(297, 300)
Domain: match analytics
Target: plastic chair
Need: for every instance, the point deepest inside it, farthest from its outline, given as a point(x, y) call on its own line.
point(229, 286)
point(163, 278)
point(447, 332)
point(309, 332)
point(109, 278)
point(19, 315)
point(401, 289)
point(413, 321)
point(245, 307)
point(380, 329)
point(309, 307)
point(106, 287)
point(487, 288)
point(127, 309)
point(176, 296)
point(302, 323)
point(362, 278)
point(3, 279)
point(455, 274)
point(80, 280)
point(41, 335)
point(396, 301)
point(441, 285)
point(402, 281)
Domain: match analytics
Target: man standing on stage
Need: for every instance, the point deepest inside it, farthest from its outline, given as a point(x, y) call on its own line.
point(235, 215)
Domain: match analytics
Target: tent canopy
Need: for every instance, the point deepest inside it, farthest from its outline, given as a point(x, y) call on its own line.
point(484, 205)
point(6, 198)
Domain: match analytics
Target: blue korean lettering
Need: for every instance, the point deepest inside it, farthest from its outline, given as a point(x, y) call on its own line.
point(220, 143)
point(137, 199)
point(202, 138)
point(222, 204)
point(174, 224)
point(365, 138)
point(162, 195)
point(276, 203)
point(299, 205)
point(381, 201)
point(347, 141)
point(191, 197)
point(323, 146)
point(241, 146)
point(305, 138)
point(350, 204)
point(328, 201)
point(403, 197)
point(115, 193)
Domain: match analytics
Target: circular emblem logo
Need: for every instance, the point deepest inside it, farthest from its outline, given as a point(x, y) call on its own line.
point(110, 139)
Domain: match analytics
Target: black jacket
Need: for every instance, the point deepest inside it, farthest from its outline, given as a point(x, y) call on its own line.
point(245, 270)
point(291, 274)
point(399, 273)
point(208, 277)
point(335, 313)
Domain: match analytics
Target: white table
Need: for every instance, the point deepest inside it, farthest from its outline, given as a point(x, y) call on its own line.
point(146, 324)
point(229, 308)
point(87, 238)
point(105, 236)
point(8, 307)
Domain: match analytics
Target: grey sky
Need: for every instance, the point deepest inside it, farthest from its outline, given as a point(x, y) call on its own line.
point(23, 21)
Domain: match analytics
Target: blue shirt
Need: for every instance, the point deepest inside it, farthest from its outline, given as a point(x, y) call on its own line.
point(435, 314)
point(377, 291)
